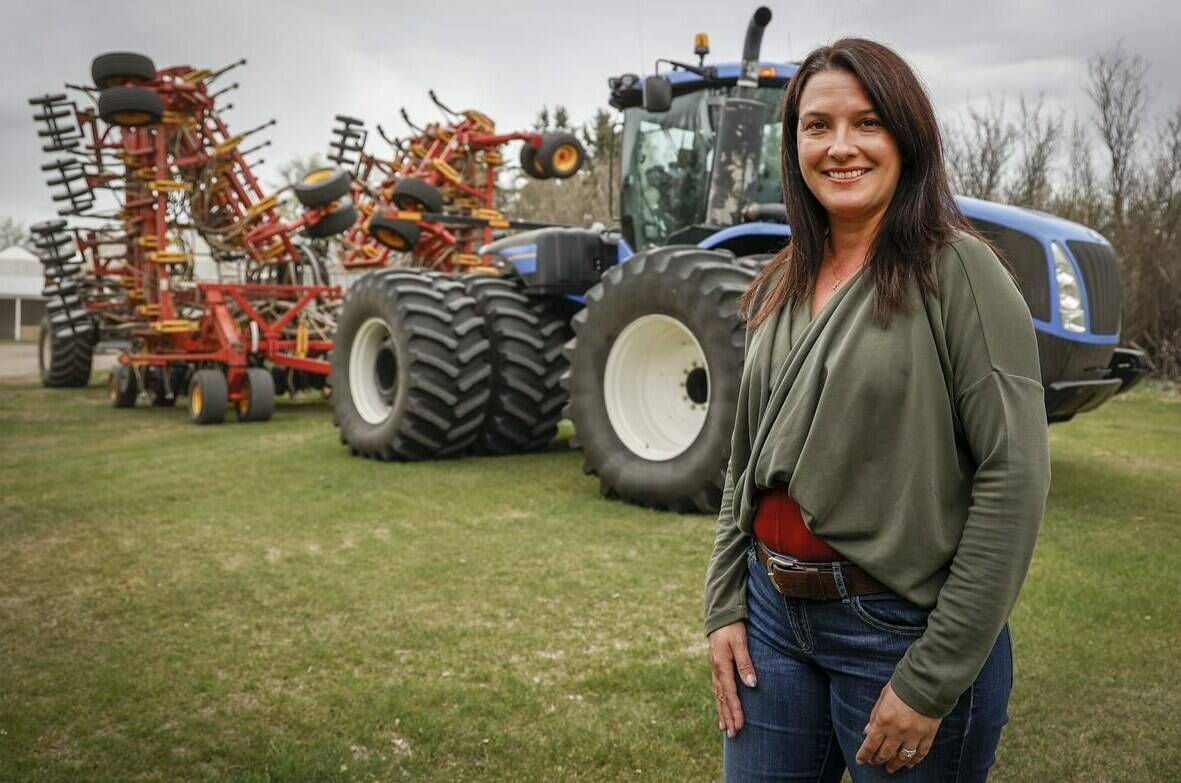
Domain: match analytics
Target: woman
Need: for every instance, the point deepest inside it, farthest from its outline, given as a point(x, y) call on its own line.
point(890, 460)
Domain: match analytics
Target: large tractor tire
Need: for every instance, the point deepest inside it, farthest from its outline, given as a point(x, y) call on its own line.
point(410, 368)
point(64, 358)
point(525, 340)
point(654, 374)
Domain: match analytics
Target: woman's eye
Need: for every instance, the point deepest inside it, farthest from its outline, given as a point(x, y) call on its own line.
point(814, 125)
point(870, 122)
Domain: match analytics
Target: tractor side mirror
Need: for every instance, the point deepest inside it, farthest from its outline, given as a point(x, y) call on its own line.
point(658, 94)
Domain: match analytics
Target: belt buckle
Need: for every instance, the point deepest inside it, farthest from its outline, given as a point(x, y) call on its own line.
point(783, 562)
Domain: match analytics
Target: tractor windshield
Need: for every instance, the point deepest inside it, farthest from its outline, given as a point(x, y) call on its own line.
point(667, 159)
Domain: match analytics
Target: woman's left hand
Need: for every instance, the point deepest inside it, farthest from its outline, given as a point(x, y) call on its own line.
point(894, 724)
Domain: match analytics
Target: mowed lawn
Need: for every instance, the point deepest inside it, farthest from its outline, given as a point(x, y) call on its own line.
point(249, 603)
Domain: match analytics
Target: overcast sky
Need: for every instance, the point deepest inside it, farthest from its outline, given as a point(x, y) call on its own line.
point(311, 60)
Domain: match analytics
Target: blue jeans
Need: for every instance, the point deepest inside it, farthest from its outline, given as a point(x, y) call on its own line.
point(820, 668)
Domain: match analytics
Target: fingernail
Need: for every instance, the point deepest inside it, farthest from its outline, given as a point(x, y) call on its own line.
point(730, 733)
point(750, 680)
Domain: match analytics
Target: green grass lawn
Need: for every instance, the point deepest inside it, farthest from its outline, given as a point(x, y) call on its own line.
point(248, 602)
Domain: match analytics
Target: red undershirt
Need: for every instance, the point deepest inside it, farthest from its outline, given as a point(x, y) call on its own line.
point(780, 525)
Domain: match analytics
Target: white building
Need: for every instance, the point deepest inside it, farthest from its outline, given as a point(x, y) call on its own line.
point(21, 303)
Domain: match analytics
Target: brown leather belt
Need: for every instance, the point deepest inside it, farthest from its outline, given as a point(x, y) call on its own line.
point(798, 579)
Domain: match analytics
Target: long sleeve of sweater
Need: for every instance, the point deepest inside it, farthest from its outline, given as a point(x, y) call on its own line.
point(1000, 404)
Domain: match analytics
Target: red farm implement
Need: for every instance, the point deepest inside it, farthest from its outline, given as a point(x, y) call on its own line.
point(179, 186)
point(434, 200)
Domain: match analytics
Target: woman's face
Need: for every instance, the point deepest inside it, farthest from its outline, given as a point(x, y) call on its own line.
point(849, 160)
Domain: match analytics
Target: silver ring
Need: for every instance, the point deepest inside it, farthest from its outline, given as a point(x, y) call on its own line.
point(907, 753)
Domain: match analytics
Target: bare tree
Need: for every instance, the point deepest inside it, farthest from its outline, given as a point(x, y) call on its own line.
point(979, 150)
point(12, 232)
point(1116, 85)
point(1038, 133)
point(1079, 198)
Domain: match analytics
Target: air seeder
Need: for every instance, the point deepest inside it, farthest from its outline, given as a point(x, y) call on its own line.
point(155, 146)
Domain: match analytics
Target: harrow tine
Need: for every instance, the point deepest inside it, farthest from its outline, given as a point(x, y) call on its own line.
point(441, 105)
point(211, 77)
point(413, 127)
point(214, 95)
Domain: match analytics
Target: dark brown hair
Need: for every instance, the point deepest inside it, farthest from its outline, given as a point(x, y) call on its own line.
point(922, 215)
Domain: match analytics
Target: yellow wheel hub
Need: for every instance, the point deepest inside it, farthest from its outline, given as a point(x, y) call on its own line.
point(132, 117)
point(196, 402)
point(565, 158)
point(390, 239)
point(318, 176)
point(244, 400)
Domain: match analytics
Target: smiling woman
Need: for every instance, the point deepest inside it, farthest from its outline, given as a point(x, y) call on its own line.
point(890, 457)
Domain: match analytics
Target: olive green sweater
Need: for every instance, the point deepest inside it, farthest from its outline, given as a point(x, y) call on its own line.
point(920, 452)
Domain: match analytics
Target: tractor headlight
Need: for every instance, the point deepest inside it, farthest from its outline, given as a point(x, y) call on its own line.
point(1070, 293)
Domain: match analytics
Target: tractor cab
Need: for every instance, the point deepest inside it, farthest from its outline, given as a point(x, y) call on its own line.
point(668, 155)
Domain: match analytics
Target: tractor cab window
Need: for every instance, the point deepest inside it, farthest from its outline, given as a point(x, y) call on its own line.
point(667, 159)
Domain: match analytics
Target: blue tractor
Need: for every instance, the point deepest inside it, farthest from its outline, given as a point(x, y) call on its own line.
point(650, 376)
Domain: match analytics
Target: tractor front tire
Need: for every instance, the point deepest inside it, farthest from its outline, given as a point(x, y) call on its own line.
point(525, 339)
point(410, 369)
point(655, 369)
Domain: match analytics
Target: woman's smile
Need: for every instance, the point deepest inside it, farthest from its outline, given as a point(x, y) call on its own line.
point(848, 159)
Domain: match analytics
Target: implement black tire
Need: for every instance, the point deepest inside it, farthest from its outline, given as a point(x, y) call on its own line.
point(122, 387)
point(130, 107)
point(417, 196)
point(410, 367)
point(209, 395)
point(114, 68)
point(665, 443)
point(560, 155)
point(258, 400)
point(400, 235)
point(321, 187)
point(530, 163)
point(64, 358)
point(525, 351)
point(335, 222)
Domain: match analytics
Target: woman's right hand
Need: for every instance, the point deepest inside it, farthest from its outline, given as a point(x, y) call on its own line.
point(727, 653)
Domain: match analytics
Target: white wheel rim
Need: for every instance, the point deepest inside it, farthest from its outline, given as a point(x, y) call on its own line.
point(656, 387)
point(373, 372)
